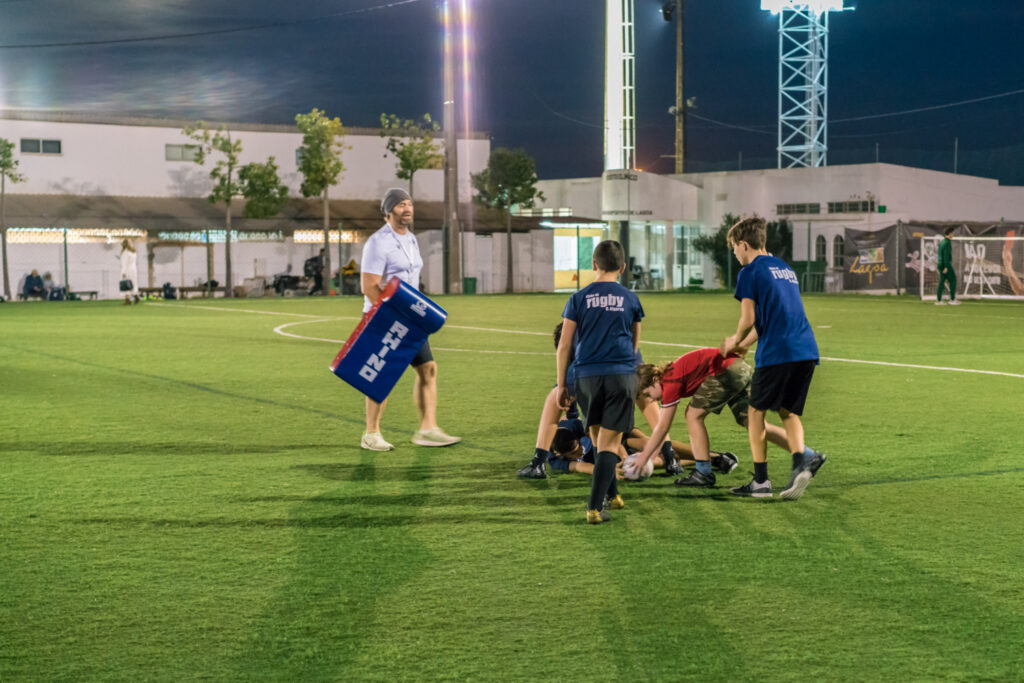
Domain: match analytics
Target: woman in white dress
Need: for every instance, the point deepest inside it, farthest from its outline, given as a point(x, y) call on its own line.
point(130, 272)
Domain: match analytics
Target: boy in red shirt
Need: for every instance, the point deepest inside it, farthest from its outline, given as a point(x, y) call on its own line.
point(714, 382)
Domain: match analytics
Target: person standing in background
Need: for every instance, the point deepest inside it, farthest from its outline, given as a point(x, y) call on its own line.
point(129, 284)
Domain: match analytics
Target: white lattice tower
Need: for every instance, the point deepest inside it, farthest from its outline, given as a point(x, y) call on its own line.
point(803, 79)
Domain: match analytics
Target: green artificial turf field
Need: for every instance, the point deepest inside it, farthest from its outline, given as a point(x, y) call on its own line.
point(182, 496)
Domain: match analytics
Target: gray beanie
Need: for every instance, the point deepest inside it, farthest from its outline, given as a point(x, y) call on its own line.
point(393, 198)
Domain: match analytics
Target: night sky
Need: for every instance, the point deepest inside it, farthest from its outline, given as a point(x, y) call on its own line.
point(538, 73)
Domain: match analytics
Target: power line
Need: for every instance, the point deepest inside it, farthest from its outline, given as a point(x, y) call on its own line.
point(947, 105)
point(932, 108)
point(213, 32)
point(690, 115)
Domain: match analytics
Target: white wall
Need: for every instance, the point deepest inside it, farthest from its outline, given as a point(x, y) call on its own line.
point(485, 258)
point(129, 161)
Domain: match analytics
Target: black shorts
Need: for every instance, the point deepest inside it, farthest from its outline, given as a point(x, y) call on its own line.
point(607, 401)
point(423, 356)
point(782, 386)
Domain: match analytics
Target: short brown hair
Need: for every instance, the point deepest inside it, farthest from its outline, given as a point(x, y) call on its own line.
point(647, 375)
point(609, 256)
point(949, 231)
point(753, 231)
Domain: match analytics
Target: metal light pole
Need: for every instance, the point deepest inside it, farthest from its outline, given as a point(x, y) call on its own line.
point(450, 229)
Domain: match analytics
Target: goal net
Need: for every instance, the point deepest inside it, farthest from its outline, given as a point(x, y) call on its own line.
point(985, 267)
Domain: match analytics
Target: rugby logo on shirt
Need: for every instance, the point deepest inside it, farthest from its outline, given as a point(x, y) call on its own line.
point(375, 363)
point(783, 274)
point(608, 302)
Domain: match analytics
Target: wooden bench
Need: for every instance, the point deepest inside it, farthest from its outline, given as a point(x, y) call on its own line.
point(183, 292)
point(149, 291)
point(92, 294)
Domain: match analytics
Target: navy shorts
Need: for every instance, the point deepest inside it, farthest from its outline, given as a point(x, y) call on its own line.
point(607, 400)
point(423, 356)
point(782, 386)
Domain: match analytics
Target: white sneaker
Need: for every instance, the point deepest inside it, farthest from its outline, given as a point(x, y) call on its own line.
point(434, 437)
point(373, 441)
point(954, 302)
point(940, 303)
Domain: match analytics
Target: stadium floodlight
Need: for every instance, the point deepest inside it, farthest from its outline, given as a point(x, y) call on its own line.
point(619, 86)
point(818, 6)
point(803, 79)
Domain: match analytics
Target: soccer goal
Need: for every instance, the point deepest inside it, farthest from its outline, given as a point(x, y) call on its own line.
point(985, 267)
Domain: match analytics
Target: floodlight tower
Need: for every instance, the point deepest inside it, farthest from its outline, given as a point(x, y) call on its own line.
point(803, 79)
point(619, 86)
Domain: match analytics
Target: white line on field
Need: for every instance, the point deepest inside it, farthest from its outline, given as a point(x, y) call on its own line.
point(319, 319)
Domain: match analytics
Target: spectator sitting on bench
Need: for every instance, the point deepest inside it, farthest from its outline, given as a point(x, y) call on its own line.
point(47, 284)
point(33, 286)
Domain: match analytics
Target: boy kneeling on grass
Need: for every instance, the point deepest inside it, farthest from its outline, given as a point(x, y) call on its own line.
point(714, 381)
point(573, 451)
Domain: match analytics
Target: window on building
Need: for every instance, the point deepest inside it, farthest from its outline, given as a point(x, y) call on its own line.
point(819, 249)
point(854, 206)
point(38, 146)
point(298, 156)
point(180, 152)
point(837, 252)
point(790, 209)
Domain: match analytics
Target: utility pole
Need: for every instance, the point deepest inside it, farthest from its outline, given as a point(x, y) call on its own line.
point(450, 230)
point(680, 103)
point(672, 10)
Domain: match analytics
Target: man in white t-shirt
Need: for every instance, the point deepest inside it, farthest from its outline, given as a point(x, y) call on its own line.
point(390, 252)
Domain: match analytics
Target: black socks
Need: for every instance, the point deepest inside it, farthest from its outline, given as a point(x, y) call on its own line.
point(604, 479)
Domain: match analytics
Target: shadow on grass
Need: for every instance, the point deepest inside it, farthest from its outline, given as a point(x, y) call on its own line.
point(405, 500)
point(205, 388)
point(117, 448)
point(341, 521)
point(396, 470)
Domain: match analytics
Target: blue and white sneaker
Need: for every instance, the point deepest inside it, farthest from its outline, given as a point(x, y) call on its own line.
point(804, 469)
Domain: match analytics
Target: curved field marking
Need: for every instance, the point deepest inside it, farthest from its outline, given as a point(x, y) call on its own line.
point(279, 328)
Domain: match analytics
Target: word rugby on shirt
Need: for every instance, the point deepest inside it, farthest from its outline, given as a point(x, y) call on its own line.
point(783, 274)
point(608, 302)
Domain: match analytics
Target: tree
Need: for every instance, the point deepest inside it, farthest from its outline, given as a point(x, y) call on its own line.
point(779, 243)
point(320, 164)
point(262, 188)
point(257, 183)
point(412, 143)
point(8, 171)
point(510, 179)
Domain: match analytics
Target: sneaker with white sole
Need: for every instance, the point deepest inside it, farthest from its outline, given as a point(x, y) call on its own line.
point(954, 302)
point(434, 437)
point(373, 441)
point(940, 303)
point(804, 469)
point(754, 490)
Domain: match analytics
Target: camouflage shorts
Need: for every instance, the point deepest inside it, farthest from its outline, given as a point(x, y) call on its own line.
point(731, 388)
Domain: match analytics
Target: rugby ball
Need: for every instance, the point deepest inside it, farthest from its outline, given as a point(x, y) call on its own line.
point(632, 475)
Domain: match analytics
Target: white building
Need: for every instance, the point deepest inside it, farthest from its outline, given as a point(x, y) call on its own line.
point(665, 213)
point(102, 178)
point(99, 178)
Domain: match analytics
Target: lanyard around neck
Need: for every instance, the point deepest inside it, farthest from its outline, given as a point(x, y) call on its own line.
point(407, 252)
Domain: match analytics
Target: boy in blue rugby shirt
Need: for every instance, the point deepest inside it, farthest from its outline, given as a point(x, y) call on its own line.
point(770, 302)
point(604, 317)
